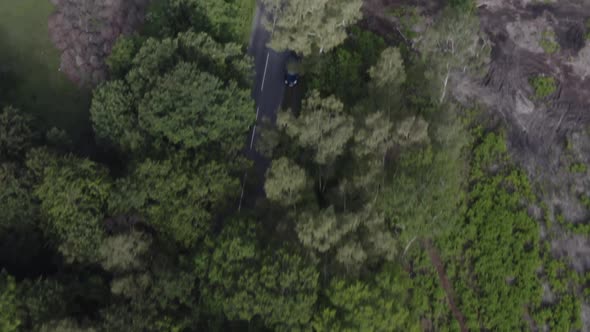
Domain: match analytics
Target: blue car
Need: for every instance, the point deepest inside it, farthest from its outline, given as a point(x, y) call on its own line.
point(293, 70)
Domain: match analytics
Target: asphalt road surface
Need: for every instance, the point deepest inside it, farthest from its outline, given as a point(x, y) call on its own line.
point(268, 90)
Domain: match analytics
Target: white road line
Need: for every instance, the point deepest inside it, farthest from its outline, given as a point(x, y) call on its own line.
point(264, 75)
point(252, 139)
point(242, 194)
point(257, 109)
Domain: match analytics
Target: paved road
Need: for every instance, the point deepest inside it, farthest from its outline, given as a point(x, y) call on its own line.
point(268, 93)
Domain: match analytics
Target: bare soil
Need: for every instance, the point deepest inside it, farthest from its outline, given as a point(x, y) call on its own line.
point(445, 284)
point(86, 30)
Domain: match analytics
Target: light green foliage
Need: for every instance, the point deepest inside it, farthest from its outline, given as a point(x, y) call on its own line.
point(177, 197)
point(9, 313)
point(73, 198)
point(343, 71)
point(15, 133)
point(322, 127)
point(383, 304)
point(389, 71)
point(193, 109)
point(543, 85)
point(453, 43)
point(123, 252)
point(548, 42)
point(412, 130)
point(499, 243)
point(310, 26)
point(578, 168)
point(322, 230)
point(285, 182)
point(245, 281)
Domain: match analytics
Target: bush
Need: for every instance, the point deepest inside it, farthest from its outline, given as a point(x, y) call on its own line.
point(548, 43)
point(543, 85)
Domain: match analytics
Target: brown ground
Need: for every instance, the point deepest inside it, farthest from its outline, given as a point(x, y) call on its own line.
point(85, 31)
point(445, 284)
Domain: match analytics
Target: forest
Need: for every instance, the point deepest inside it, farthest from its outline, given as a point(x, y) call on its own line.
point(387, 205)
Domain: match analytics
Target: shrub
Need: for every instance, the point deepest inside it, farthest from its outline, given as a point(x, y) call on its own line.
point(548, 42)
point(543, 85)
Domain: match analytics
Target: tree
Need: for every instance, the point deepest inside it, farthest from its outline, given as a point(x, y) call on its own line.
point(453, 43)
point(16, 134)
point(285, 182)
point(382, 304)
point(193, 109)
point(388, 72)
point(16, 199)
point(113, 117)
point(322, 127)
point(308, 26)
point(9, 313)
point(177, 197)
point(73, 197)
point(245, 281)
point(189, 92)
point(124, 252)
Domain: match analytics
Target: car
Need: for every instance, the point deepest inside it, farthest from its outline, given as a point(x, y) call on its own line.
point(293, 70)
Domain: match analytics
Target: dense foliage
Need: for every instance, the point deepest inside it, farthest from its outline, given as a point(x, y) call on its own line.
point(385, 205)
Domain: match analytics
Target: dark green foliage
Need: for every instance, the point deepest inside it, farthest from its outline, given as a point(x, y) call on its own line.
point(9, 312)
point(174, 94)
point(178, 198)
point(383, 304)
point(74, 194)
point(344, 70)
point(16, 134)
point(119, 61)
point(246, 281)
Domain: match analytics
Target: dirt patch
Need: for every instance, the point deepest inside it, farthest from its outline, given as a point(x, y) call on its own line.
point(445, 284)
point(85, 31)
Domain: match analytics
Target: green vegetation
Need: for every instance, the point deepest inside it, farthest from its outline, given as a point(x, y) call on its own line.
point(543, 85)
point(578, 168)
point(588, 29)
point(386, 205)
point(548, 42)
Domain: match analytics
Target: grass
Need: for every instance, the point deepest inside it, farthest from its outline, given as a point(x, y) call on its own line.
point(543, 86)
point(29, 76)
point(588, 29)
point(548, 42)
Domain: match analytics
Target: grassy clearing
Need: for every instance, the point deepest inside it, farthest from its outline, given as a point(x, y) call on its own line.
point(548, 42)
point(29, 69)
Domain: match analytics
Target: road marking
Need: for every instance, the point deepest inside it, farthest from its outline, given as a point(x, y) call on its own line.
point(242, 194)
point(264, 75)
point(257, 109)
point(252, 139)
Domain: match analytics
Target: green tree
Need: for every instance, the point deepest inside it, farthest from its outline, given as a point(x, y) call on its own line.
point(16, 199)
point(73, 197)
point(16, 134)
point(382, 304)
point(194, 109)
point(9, 312)
point(322, 127)
point(122, 53)
point(388, 72)
point(245, 280)
point(309, 26)
point(177, 197)
point(285, 182)
point(452, 44)
point(113, 117)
